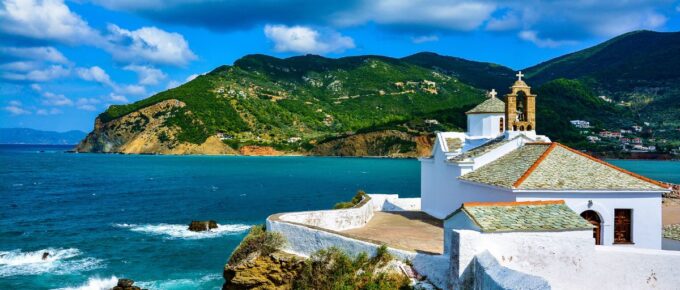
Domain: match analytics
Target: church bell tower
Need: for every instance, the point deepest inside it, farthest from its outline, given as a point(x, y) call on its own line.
point(520, 107)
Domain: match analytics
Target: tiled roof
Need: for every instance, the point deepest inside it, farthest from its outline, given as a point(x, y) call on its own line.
point(453, 144)
point(553, 166)
point(504, 171)
point(491, 105)
point(482, 149)
point(528, 216)
point(672, 232)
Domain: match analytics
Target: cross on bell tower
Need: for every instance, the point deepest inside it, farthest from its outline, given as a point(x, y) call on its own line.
point(520, 106)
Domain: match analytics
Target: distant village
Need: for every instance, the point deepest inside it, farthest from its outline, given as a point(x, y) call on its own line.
point(628, 139)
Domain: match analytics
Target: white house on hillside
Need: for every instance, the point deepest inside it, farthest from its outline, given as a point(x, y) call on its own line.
point(501, 159)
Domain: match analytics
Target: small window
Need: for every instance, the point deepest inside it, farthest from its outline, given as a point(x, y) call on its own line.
point(502, 126)
point(622, 226)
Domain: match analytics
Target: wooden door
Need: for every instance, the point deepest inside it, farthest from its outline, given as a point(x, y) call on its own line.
point(593, 218)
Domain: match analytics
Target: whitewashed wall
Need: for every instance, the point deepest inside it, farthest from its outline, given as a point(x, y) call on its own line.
point(392, 202)
point(335, 219)
point(567, 260)
point(303, 241)
point(646, 212)
point(486, 125)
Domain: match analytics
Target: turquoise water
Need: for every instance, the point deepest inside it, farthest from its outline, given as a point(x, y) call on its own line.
point(103, 217)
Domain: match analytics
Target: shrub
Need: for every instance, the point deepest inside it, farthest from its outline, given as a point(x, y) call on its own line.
point(333, 269)
point(352, 203)
point(257, 240)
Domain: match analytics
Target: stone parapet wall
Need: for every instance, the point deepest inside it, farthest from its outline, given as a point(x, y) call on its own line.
point(335, 219)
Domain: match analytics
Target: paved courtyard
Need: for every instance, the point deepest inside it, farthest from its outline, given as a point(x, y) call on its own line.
point(409, 230)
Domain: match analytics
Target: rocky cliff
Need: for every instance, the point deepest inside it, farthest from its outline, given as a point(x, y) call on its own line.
point(146, 131)
point(274, 271)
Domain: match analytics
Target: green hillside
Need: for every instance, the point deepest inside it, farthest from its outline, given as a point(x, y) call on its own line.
point(262, 99)
point(297, 103)
point(638, 70)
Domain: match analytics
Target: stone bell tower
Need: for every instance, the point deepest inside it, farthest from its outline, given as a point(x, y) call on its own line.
point(520, 107)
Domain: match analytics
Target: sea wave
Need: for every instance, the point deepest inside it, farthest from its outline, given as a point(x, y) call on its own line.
point(178, 284)
point(174, 231)
point(59, 262)
point(95, 283)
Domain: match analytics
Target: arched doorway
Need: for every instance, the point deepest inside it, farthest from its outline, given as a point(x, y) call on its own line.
point(593, 218)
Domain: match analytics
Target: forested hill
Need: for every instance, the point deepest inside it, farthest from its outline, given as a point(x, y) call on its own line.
point(360, 105)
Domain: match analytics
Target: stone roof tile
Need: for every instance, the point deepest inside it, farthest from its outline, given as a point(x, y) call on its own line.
point(524, 216)
point(491, 105)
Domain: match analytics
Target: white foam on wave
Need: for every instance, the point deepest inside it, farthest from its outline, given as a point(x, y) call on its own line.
point(179, 284)
point(95, 283)
point(59, 262)
point(183, 232)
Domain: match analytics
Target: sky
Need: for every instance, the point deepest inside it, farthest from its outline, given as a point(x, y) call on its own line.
point(64, 62)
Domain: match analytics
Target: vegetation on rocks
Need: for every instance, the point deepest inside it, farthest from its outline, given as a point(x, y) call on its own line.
point(352, 203)
point(257, 241)
point(333, 269)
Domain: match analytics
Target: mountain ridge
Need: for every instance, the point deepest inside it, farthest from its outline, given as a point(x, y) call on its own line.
point(295, 104)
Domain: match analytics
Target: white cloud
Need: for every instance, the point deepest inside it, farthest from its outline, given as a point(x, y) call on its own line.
point(36, 87)
point(532, 36)
point(95, 74)
point(506, 22)
point(47, 19)
point(41, 53)
point(424, 38)
point(172, 84)
point(16, 110)
point(302, 39)
point(150, 44)
point(51, 99)
point(46, 112)
point(147, 75)
point(130, 89)
point(437, 14)
point(20, 66)
point(117, 98)
point(39, 75)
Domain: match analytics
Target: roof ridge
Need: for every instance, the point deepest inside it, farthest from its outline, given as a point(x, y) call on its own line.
point(638, 176)
point(512, 203)
point(533, 166)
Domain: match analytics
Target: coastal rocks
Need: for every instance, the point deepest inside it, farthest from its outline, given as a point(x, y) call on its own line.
point(200, 226)
point(252, 150)
point(387, 143)
point(274, 271)
point(126, 284)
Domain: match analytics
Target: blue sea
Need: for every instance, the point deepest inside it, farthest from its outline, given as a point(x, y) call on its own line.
point(103, 217)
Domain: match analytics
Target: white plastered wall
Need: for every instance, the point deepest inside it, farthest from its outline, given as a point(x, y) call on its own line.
point(486, 125)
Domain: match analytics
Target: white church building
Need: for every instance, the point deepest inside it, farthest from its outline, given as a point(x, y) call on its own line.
point(501, 159)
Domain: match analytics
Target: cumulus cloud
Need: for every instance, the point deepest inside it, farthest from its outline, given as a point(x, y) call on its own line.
point(150, 44)
point(45, 19)
point(41, 53)
point(532, 36)
point(117, 98)
point(191, 77)
point(302, 39)
point(548, 19)
point(15, 108)
point(147, 75)
point(38, 75)
point(424, 38)
point(58, 100)
point(95, 74)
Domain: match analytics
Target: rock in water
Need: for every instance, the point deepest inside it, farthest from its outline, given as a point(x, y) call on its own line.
point(126, 284)
point(199, 226)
